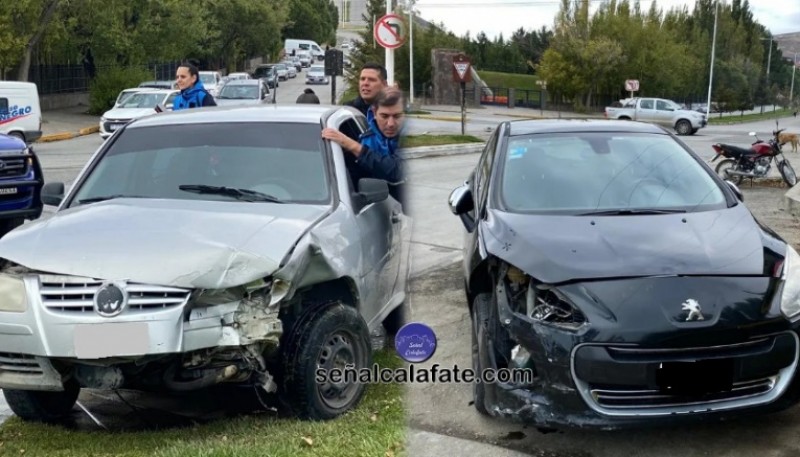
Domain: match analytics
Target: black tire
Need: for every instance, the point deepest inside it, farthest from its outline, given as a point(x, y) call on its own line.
point(480, 325)
point(787, 173)
point(728, 164)
point(399, 317)
point(330, 336)
point(683, 127)
point(42, 406)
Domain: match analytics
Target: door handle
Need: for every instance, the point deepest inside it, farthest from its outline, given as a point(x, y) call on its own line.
point(395, 217)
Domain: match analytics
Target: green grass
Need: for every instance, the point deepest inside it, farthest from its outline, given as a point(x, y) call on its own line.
point(509, 80)
point(737, 119)
point(376, 428)
point(413, 141)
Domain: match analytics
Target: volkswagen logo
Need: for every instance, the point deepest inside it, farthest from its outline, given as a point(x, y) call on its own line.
point(110, 300)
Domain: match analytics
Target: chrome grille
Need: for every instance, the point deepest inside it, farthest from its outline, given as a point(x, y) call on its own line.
point(15, 166)
point(644, 399)
point(76, 295)
point(19, 363)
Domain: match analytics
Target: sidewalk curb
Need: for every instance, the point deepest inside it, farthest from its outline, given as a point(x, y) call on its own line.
point(442, 150)
point(61, 136)
point(791, 200)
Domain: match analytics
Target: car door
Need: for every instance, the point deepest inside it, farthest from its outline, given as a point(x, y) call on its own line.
point(479, 182)
point(380, 225)
point(646, 110)
point(664, 113)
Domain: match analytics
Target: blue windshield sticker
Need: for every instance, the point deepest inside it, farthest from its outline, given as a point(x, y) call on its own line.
point(515, 152)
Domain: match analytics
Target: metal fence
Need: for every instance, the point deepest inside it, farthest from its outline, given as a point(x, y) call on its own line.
point(63, 79)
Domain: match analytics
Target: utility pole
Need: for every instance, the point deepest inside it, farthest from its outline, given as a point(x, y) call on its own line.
point(389, 52)
point(791, 91)
point(769, 64)
point(713, 50)
point(411, 49)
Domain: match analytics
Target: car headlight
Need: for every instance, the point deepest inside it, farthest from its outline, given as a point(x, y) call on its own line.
point(211, 297)
point(790, 295)
point(14, 297)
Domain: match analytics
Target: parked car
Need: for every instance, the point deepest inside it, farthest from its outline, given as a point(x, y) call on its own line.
point(282, 70)
point(294, 61)
point(212, 81)
point(305, 58)
point(291, 71)
point(225, 245)
point(159, 85)
point(136, 105)
point(269, 73)
point(125, 93)
point(659, 111)
point(316, 75)
point(629, 282)
point(235, 76)
point(244, 92)
point(21, 182)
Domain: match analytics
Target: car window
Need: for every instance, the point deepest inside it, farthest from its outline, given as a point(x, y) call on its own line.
point(284, 160)
point(239, 91)
point(604, 171)
point(353, 129)
point(483, 169)
point(662, 105)
point(3, 105)
point(142, 100)
point(646, 104)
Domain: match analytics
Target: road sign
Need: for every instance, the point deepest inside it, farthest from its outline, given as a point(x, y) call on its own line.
point(461, 69)
point(390, 31)
point(632, 85)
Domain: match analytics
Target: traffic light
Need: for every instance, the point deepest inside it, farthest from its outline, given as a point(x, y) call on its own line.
point(334, 62)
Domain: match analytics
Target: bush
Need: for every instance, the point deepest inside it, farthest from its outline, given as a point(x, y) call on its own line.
point(109, 82)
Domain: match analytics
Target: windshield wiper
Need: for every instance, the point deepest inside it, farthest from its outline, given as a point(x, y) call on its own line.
point(239, 194)
point(632, 212)
point(108, 197)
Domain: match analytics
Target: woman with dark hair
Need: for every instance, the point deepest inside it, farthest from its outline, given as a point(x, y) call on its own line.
point(193, 94)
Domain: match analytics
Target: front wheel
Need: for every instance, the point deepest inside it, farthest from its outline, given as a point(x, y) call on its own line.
point(726, 166)
point(331, 337)
point(43, 406)
point(683, 127)
point(787, 173)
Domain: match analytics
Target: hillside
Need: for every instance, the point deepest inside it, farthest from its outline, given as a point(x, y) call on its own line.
point(789, 43)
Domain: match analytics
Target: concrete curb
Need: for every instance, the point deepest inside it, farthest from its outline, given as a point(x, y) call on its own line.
point(792, 201)
point(442, 150)
point(61, 136)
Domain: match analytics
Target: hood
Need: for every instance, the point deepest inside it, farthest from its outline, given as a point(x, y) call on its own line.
point(555, 249)
point(180, 243)
point(237, 101)
point(11, 145)
point(128, 113)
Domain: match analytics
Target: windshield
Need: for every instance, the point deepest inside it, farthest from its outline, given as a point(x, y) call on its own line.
point(140, 100)
point(208, 79)
point(239, 91)
point(282, 160)
point(578, 173)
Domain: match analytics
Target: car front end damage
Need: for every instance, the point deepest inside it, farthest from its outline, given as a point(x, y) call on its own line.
point(628, 352)
point(62, 329)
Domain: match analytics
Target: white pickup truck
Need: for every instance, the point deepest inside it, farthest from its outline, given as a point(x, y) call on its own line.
point(659, 111)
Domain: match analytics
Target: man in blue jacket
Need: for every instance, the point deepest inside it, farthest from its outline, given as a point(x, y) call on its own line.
point(375, 155)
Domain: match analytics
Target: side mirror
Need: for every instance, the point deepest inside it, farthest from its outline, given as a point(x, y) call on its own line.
point(460, 200)
point(372, 190)
point(735, 190)
point(53, 193)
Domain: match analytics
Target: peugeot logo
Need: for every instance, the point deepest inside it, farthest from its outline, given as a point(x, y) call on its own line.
point(695, 313)
point(110, 300)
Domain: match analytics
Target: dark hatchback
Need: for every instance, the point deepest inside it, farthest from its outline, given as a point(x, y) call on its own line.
point(609, 261)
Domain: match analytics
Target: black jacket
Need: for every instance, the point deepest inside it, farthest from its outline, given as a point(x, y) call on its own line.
point(359, 104)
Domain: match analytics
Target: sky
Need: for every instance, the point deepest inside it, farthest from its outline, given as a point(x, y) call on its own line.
point(505, 16)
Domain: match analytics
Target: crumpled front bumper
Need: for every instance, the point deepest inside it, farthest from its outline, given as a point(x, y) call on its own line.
point(156, 322)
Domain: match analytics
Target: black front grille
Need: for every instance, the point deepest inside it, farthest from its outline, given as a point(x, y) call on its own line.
point(19, 363)
point(14, 167)
point(113, 126)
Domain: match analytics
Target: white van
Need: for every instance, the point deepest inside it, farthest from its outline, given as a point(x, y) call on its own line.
point(20, 114)
point(292, 45)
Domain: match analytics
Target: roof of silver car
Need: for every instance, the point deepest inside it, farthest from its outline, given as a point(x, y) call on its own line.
point(301, 113)
point(527, 126)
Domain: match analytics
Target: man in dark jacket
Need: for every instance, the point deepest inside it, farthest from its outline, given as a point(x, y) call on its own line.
point(375, 155)
point(371, 81)
point(308, 96)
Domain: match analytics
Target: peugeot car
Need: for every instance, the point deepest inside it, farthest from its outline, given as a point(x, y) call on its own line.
point(609, 261)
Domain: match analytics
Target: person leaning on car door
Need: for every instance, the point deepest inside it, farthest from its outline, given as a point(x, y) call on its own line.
point(193, 93)
point(376, 154)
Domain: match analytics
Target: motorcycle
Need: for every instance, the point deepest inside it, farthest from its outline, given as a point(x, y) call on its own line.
point(754, 162)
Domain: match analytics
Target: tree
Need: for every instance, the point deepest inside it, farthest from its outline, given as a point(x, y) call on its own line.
point(23, 23)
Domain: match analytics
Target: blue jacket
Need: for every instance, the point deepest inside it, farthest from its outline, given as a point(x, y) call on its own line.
point(194, 97)
point(379, 157)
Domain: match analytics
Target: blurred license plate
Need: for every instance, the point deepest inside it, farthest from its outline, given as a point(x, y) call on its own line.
point(94, 341)
point(112, 127)
point(8, 191)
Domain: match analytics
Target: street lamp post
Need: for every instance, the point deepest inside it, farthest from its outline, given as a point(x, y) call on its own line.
point(711, 73)
point(791, 91)
point(769, 64)
point(411, 50)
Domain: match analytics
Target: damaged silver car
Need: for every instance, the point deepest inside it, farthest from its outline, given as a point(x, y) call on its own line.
point(201, 247)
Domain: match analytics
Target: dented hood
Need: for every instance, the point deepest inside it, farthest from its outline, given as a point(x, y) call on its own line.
point(559, 248)
point(182, 243)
